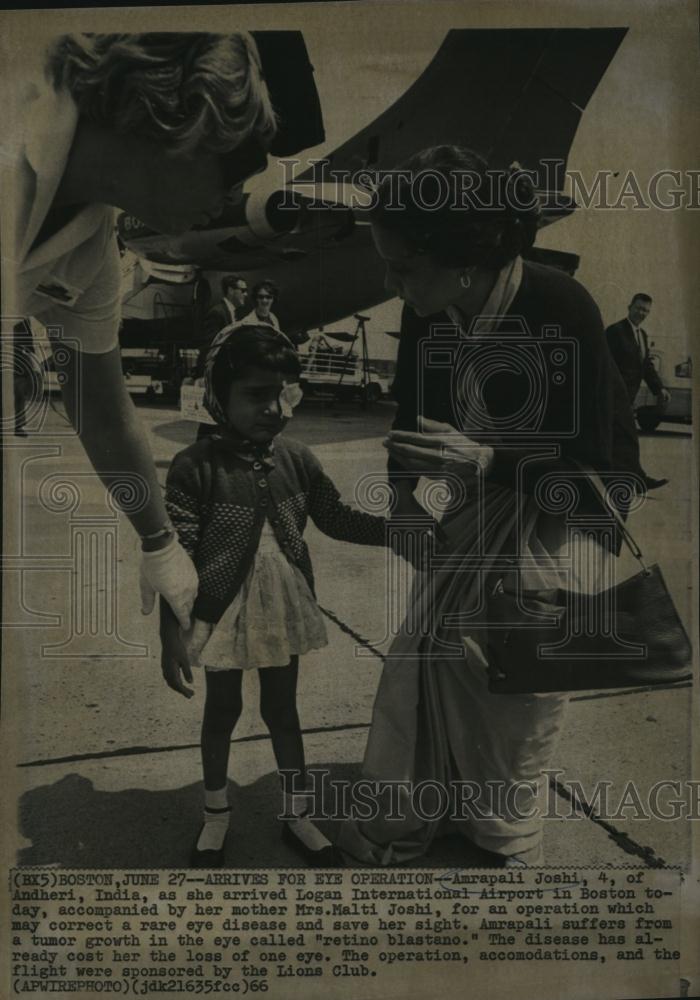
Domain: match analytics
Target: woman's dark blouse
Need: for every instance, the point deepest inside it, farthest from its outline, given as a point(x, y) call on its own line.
point(582, 408)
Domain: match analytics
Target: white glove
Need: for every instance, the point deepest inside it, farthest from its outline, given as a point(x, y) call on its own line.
point(170, 572)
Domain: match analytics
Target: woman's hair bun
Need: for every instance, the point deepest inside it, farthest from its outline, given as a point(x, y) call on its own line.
point(486, 217)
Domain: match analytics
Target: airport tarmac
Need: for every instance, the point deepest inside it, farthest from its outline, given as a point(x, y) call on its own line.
point(107, 758)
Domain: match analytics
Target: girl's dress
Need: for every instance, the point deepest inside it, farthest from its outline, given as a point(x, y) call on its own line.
point(273, 617)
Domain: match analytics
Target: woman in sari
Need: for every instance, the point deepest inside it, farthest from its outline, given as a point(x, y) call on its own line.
point(505, 390)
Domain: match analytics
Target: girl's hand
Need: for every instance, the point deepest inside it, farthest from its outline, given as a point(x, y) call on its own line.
point(195, 639)
point(438, 449)
point(418, 531)
point(415, 546)
point(405, 504)
point(175, 664)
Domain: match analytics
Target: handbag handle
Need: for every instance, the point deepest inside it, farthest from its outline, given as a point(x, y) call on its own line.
point(601, 496)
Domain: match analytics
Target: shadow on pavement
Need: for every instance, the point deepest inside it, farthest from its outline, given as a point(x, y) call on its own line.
point(72, 825)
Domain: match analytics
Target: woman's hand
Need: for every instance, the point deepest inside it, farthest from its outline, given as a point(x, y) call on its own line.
point(171, 573)
point(437, 449)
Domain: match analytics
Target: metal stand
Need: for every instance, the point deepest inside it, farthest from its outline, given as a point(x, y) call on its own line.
point(360, 331)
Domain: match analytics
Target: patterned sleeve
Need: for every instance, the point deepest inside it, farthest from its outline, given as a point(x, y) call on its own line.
point(182, 501)
point(336, 519)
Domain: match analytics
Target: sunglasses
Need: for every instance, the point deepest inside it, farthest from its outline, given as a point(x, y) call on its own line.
point(263, 298)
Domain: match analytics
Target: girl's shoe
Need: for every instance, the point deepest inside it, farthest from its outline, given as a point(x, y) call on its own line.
point(207, 859)
point(325, 857)
point(211, 857)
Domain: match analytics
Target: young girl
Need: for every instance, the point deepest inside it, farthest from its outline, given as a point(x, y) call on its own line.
point(240, 504)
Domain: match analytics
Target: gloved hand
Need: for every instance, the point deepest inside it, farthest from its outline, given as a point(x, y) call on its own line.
point(169, 571)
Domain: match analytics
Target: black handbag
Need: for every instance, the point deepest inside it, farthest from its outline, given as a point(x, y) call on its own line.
point(629, 635)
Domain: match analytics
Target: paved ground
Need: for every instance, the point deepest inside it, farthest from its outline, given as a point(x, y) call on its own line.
point(107, 765)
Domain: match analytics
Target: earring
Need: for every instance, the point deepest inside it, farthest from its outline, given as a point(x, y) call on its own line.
point(466, 280)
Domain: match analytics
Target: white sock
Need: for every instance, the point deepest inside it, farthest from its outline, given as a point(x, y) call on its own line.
point(217, 814)
point(308, 833)
point(298, 804)
point(218, 799)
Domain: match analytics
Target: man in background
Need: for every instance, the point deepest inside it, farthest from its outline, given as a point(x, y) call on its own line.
point(233, 306)
point(629, 346)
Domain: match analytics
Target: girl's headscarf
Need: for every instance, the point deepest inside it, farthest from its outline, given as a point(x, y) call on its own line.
point(290, 395)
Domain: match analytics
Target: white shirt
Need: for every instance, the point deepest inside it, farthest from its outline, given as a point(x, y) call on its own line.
point(71, 280)
point(252, 318)
point(638, 336)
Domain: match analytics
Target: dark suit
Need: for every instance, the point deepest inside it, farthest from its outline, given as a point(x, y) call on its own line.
point(634, 363)
point(219, 316)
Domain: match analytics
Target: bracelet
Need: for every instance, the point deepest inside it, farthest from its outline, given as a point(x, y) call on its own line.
point(167, 529)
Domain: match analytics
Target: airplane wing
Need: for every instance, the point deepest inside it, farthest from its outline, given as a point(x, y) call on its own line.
point(256, 231)
point(510, 94)
point(289, 76)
